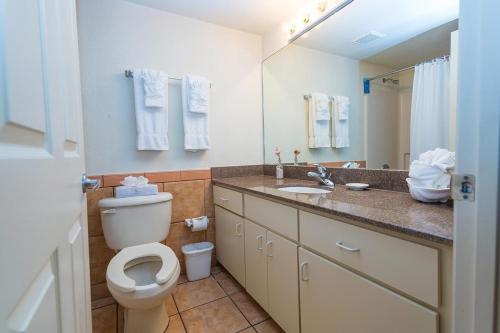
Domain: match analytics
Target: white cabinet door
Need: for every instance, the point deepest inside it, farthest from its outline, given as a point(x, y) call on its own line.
point(230, 242)
point(256, 262)
point(43, 228)
point(282, 275)
point(336, 300)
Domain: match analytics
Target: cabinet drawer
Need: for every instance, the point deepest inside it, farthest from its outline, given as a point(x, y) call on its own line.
point(229, 199)
point(277, 217)
point(406, 266)
point(334, 299)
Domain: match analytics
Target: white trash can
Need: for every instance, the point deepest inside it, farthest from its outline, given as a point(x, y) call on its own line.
point(198, 259)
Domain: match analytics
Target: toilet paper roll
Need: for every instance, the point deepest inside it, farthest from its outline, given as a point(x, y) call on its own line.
point(198, 223)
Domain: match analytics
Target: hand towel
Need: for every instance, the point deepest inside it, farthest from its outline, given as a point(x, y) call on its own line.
point(431, 169)
point(151, 122)
point(319, 130)
point(342, 103)
point(196, 135)
point(135, 186)
point(198, 94)
point(155, 87)
point(340, 127)
point(321, 106)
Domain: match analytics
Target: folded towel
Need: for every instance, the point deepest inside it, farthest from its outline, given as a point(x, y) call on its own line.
point(342, 104)
point(133, 191)
point(321, 104)
point(196, 134)
point(340, 127)
point(155, 87)
point(319, 130)
point(151, 122)
point(198, 94)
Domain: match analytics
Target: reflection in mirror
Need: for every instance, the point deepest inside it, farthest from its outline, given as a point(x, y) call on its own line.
point(365, 87)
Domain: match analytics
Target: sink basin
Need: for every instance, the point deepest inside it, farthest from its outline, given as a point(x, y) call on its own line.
point(304, 190)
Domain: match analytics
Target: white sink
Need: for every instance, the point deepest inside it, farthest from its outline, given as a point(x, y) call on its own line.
point(304, 190)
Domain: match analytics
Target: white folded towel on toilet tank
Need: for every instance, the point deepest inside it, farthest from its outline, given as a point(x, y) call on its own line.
point(135, 186)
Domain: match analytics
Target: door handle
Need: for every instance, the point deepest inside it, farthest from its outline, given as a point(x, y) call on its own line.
point(238, 229)
point(93, 183)
point(347, 248)
point(260, 240)
point(303, 277)
point(269, 246)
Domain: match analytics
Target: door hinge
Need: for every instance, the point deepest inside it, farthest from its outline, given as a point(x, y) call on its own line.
point(463, 187)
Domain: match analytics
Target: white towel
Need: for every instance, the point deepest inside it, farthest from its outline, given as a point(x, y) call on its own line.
point(155, 87)
point(342, 103)
point(198, 94)
point(319, 130)
point(431, 169)
point(321, 106)
point(196, 136)
point(340, 127)
point(151, 122)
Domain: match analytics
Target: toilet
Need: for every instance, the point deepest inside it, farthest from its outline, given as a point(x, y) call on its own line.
point(144, 271)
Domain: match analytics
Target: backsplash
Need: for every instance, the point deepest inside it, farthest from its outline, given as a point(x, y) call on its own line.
point(392, 180)
point(192, 192)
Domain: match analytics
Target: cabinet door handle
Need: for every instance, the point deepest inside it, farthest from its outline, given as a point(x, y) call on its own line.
point(269, 249)
point(260, 240)
point(347, 248)
point(238, 229)
point(223, 199)
point(303, 276)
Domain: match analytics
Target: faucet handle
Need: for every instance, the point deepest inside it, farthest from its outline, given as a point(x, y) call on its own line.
point(321, 169)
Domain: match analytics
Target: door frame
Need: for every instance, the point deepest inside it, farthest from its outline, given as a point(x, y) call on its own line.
point(476, 259)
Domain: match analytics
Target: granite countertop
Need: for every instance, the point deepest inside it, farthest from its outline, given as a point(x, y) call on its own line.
point(395, 211)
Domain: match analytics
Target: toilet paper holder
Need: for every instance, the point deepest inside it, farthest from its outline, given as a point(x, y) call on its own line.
point(196, 221)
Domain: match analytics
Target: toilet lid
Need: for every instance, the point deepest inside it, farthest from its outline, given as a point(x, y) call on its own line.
point(115, 273)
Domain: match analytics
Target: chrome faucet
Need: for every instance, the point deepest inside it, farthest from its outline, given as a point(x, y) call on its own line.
point(321, 176)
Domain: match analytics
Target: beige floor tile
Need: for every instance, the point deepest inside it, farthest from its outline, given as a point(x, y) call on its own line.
point(170, 306)
point(220, 316)
point(104, 319)
point(191, 294)
point(248, 330)
point(228, 283)
point(249, 307)
point(175, 325)
point(268, 326)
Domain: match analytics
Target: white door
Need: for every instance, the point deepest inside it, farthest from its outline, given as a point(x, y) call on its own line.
point(44, 274)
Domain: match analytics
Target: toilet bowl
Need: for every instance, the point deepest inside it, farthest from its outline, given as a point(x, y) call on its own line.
point(144, 272)
point(140, 278)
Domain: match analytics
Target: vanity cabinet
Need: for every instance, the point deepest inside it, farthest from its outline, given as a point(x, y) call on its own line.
point(230, 247)
point(334, 299)
point(272, 274)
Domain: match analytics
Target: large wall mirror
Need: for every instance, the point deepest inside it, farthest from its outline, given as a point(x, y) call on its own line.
point(375, 83)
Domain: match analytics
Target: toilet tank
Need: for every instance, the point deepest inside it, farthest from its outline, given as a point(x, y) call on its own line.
point(135, 220)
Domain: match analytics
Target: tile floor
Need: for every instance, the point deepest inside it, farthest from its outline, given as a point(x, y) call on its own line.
point(217, 304)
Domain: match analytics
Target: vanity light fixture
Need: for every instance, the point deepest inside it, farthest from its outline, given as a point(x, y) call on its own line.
point(321, 6)
point(306, 19)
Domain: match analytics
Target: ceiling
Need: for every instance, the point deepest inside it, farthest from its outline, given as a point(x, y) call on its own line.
point(254, 16)
point(398, 20)
point(429, 45)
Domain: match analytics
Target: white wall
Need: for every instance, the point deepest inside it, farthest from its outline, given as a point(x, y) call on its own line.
point(297, 71)
point(115, 35)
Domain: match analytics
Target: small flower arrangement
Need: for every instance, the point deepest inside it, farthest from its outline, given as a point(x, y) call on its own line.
point(296, 154)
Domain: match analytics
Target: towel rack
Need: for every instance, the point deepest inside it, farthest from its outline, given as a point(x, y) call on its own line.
point(130, 74)
point(306, 97)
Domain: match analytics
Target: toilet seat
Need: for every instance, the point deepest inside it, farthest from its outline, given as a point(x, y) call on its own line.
point(115, 273)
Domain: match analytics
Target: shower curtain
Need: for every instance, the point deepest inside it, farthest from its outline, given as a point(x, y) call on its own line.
point(430, 107)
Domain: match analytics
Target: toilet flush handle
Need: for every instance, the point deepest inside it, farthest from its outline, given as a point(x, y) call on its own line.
point(109, 211)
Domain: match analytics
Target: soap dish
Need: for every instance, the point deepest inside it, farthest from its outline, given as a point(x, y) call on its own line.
point(357, 186)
